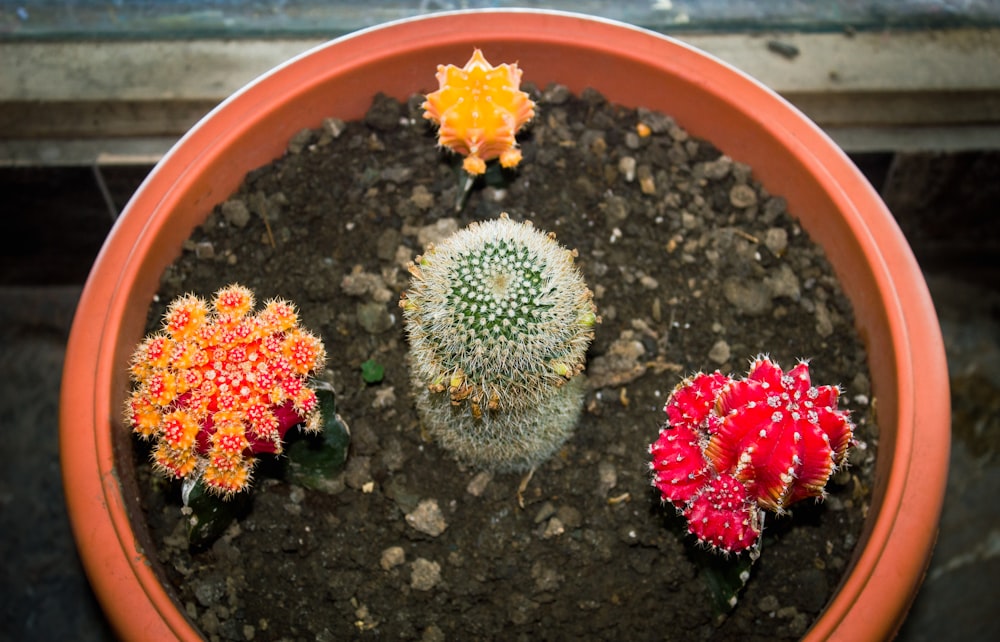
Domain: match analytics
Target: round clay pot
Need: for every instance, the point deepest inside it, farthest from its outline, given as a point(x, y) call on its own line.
point(630, 66)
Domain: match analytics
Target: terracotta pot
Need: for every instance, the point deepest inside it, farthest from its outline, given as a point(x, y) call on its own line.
point(788, 153)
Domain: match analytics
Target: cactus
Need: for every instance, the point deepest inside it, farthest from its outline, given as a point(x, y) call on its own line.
point(217, 386)
point(499, 320)
point(732, 449)
point(479, 109)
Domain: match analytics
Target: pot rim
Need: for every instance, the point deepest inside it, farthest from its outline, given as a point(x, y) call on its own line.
point(911, 498)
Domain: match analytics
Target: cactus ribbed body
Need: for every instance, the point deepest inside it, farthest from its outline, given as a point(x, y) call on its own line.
point(499, 321)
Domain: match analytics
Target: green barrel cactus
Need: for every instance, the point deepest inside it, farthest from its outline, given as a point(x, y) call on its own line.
point(499, 319)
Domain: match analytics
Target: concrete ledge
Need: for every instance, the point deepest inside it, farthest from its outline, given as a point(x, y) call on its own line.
point(79, 102)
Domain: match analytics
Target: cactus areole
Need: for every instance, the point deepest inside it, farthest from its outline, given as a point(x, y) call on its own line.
point(732, 449)
point(499, 320)
point(217, 386)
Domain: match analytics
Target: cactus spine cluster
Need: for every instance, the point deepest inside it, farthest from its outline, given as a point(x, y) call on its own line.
point(218, 385)
point(479, 109)
point(499, 319)
point(732, 449)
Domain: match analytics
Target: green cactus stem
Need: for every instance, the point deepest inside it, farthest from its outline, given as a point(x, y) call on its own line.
point(499, 319)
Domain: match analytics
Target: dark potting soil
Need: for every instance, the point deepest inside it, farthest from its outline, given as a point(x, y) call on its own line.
point(694, 267)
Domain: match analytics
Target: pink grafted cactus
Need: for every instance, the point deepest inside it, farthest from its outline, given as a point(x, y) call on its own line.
point(734, 448)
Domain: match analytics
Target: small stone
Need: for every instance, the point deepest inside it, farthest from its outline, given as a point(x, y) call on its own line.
point(385, 397)
point(422, 198)
point(334, 126)
point(358, 472)
point(773, 208)
point(742, 196)
point(392, 557)
point(607, 475)
point(546, 579)
point(749, 297)
point(768, 604)
point(204, 250)
point(861, 384)
point(648, 282)
point(720, 352)
point(388, 241)
point(783, 283)
point(403, 256)
point(776, 240)
point(433, 634)
point(570, 517)
point(824, 322)
point(397, 174)
point(236, 212)
point(437, 231)
point(657, 122)
point(391, 455)
point(359, 283)
point(623, 362)
point(554, 528)
point(616, 210)
point(494, 194)
point(384, 113)
point(477, 485)
point(209, 623)
point(626, 167)
point(425, 574)
point(249, 632)
point(427, 518)
point(299, 141)
point(546, 511)
point(556, 94)
point(597, 145)
point(717, 169)
point(647, 184)
point(207, 592)
point(374, 318)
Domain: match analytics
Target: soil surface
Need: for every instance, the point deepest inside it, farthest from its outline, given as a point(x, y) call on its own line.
point(694, 267)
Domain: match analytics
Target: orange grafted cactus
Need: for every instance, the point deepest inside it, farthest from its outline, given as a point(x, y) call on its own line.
point(479, 109)
point(220, 384)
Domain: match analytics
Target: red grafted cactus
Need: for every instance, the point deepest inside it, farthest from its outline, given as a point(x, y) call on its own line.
point(219, 384)
point(779, 435)
point(479, 109)
point(677, 455)
point(722, 515)
point(734, 448)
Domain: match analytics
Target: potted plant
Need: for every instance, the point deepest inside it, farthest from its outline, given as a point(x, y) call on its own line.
point(632, 67)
